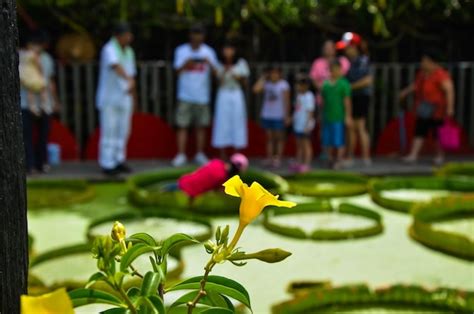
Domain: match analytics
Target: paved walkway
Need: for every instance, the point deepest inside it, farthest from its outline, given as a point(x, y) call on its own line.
point(384, 166)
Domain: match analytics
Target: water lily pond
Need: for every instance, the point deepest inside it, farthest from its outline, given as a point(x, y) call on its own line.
point(388, 258)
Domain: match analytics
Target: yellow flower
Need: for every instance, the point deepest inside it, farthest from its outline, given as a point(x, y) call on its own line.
point(56, 302)
point(118, 232)
point(254, 198)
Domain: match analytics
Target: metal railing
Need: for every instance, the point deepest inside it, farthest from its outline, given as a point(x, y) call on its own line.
point(156, 93)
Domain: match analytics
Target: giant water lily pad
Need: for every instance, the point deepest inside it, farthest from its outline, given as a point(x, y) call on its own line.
point(362, 299)
point(147, 190)
point(158, 223)
point(327, 184)
point(53, 193)
point(401, 193)
point(446, 224)
point(72, 266)
point(321, 221)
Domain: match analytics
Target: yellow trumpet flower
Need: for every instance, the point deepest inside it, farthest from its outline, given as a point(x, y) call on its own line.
point(55, 302)
point(254, 199)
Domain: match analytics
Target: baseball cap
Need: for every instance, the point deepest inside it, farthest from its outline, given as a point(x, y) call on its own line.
point(349, 38)
point(240, 161)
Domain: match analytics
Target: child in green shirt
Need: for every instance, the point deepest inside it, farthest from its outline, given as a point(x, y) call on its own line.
point(337, 115)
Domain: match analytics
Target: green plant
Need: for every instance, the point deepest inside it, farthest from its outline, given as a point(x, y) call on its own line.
point(325, 233)
point(443, 209)
point(457, 169)
point(116, 254)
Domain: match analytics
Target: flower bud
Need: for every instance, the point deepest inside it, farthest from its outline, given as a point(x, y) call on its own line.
point(118, 232)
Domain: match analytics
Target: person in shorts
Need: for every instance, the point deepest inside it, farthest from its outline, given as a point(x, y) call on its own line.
point(194, 63)
point(303, 124)
point(337, 114)
point(275, 114)
point(360, 77)
point(434, 102)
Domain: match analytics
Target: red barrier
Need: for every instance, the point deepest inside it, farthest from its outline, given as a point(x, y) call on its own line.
point(61, 135)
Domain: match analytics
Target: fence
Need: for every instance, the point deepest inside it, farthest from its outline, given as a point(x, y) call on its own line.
point(156, 93)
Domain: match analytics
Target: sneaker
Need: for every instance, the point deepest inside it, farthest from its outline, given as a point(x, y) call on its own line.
point(110, 172)
point(179, 160)
point(201, 159)
point(123, 167)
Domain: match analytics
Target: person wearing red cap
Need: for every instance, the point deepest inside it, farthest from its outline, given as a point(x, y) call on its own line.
point(360, 77)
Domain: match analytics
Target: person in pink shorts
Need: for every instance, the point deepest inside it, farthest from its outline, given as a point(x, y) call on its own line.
point(209, 177)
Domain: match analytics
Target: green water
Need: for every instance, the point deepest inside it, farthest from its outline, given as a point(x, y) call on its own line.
point(389, 258)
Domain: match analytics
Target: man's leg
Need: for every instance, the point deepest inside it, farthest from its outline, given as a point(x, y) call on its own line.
point(183, 121)
point(202, 118)
point(363, 138)
point(122, 133)
point(42, 145)
point(108, 123)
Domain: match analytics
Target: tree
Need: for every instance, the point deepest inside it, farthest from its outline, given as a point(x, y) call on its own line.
point(13, 226)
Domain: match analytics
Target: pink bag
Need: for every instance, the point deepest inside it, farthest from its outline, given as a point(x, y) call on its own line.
point(449, 135)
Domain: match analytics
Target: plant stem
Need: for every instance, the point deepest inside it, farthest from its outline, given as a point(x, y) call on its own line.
point(237, 236)
point(127, 300)
point(202, 291)
point(135, 272)
point(161, 290)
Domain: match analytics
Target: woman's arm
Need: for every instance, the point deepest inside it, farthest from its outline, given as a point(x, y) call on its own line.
point(407, 91)
point(259, 85)
point(448, 88)
point(363, 82)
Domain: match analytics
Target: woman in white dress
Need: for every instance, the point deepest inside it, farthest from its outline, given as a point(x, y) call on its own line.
point(230, 118)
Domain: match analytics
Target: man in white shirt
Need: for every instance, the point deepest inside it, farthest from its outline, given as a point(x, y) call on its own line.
point(115, 99)
point(194, 63)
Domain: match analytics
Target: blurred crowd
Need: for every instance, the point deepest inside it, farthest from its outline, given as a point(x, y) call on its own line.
point(333, 96)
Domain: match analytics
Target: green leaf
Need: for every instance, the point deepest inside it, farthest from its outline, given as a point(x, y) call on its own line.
point(175, 239)
point(218, 284)
point(133, 293)
point(83, 296)
point(217, 310)
point(144, 238)
point(157, 303)
point(132, 254)
point(150, 284)
point(99, 276)
point(115, 310)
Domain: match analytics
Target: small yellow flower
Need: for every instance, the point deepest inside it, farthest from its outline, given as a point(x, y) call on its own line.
point(118, 232)
point(254, 198)
point(56, 302)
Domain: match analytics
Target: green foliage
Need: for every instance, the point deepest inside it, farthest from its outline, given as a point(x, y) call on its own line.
point(116, 254)
point(324, 234)
point(327, 299)
point(148, 190)
point(383, 18)
point(377, 186)
point(457, 169)
point(448, 208)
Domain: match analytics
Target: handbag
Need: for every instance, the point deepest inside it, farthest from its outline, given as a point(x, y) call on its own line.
point(449, 135)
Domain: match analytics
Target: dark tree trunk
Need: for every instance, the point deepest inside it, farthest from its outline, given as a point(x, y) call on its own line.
point(13, 226)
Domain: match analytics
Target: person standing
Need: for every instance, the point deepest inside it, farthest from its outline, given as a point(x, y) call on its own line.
point(360, 77)
point(230, 120)
point(320, 72)
point(434, 102)
point(194, 63)
point(275, 112)
point(115, 99)
point(37, 105)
